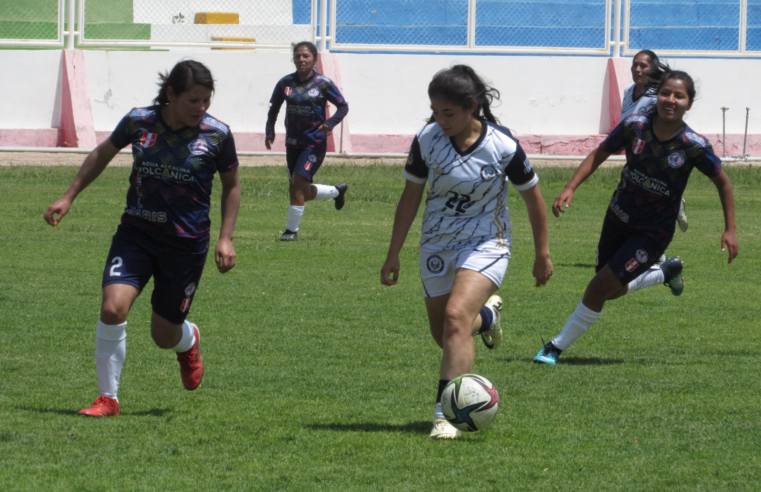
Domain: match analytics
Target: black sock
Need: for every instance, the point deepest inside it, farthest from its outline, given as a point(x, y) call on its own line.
point(487, 318)
point(442, 384)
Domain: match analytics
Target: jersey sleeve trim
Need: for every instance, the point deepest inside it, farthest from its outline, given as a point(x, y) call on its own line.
point(413, 178)
point(528, 184)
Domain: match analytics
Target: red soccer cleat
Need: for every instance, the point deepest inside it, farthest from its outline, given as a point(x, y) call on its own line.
point(191, 364)
point(103, 407)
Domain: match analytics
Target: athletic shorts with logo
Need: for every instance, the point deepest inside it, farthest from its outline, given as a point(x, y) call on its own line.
point(305, 160)
point(629, 254)
point(176, 265)
point(437, 269)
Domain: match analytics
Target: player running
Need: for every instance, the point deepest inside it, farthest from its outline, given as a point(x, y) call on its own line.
point(466, 158)
point(164, 232)
point(306, 94)
point(661, 151)
point(640, 98)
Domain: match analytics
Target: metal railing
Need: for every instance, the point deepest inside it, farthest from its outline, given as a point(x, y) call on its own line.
point(725, 28)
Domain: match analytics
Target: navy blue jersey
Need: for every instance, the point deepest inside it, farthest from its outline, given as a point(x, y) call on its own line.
point(305, 109)
point(656, 173)
point(172, 172)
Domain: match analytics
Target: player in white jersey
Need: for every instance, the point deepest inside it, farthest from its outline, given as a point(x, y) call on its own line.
point(466, 158)
point(640, 97)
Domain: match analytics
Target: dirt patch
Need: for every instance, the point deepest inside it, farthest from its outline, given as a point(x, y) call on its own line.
point(125, 159)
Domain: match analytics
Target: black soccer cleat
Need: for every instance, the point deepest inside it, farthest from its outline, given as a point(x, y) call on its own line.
point(341, 198)
point(289, 236)
point(672, 273)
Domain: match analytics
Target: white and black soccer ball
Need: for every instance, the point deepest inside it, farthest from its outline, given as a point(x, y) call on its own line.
point(470, 402)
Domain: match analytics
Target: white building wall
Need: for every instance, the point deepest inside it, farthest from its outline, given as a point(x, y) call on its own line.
point(31, 87)
point(387, 93)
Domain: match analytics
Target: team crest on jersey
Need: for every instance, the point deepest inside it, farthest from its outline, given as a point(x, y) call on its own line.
point(632, 265)
point(148, 139)
point(488, 172)
point(435, 264)
point(676, 160)
point(637, 118)
point(314, 92)
point(639, 146)
point(308, 166)
point(641, 255)
point(696, 138)
point(190, 289)
point(198, 147)
point(288, 91)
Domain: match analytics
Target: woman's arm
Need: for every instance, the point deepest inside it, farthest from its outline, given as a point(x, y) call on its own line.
point(224, 253)
point(93, 165)
point(588, 166)
point(406, 211)
point(727, 197)
point(537, 216)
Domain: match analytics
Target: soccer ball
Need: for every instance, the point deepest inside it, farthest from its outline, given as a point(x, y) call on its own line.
point(470, 402)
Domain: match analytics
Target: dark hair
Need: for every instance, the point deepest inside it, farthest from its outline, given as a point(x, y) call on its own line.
point(655, 74)
point(461, 85)
point(182, 78)
point(310, 46)
point(689, 84)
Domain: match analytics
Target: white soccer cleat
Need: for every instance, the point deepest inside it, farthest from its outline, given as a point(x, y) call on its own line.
point(442, 429)
point(492, 338)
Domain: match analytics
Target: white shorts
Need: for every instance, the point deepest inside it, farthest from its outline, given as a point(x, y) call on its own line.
point(437, 269)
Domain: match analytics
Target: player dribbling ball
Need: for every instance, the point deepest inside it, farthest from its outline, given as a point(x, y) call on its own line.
point(467, 159)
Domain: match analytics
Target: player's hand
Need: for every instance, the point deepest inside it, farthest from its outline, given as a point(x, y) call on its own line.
point(729, 242)
point(268, 143)
point(390, 271)
point(224, 255)
point(542, 270)
point(56, 211)
point(325, 129)
point(564, 198)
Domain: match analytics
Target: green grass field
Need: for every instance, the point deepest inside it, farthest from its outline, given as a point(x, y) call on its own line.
point(320, 379)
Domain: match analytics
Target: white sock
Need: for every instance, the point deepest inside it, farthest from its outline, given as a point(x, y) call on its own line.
point(653, 276)
point(110, 352)
point(579, 321)
point(294, 217)
point(188, 338)
point(324, 192)
point(438, 413)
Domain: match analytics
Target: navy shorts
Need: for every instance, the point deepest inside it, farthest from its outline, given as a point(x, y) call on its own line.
point(304, 160)
point(174, 263)
point(629, 254)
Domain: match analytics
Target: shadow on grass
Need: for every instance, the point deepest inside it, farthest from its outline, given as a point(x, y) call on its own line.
point(576, 265)
point(415, 427)
point(577, 361)
point(156, 412)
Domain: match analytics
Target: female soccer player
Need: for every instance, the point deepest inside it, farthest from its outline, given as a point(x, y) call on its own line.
point(306, 94)
point(640, 97)
point(164, 231)
point(661, 151)
point(466, 158)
